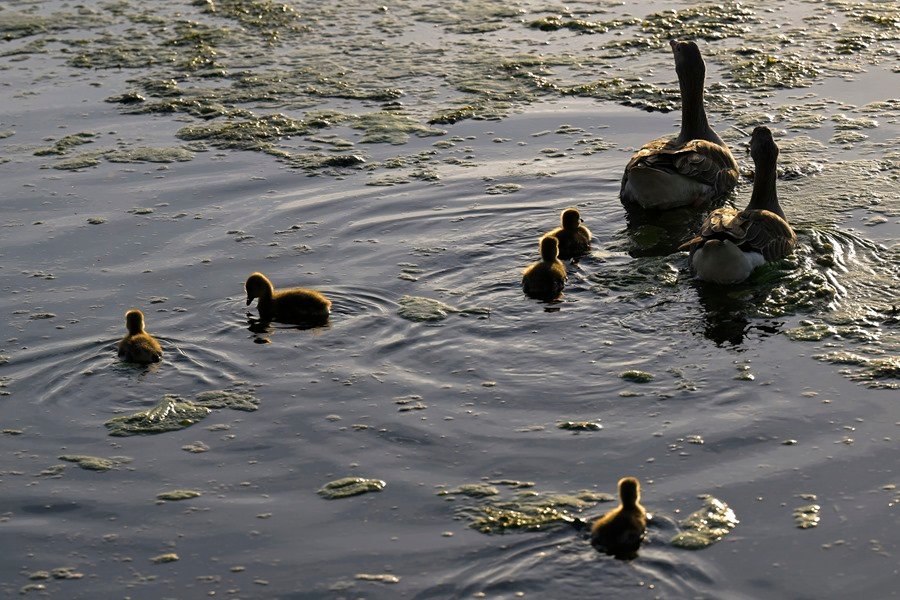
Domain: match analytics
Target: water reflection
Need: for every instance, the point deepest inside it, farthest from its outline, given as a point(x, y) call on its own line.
point(725, 320)
point(263, 329)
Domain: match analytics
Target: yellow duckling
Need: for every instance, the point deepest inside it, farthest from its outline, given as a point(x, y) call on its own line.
point(574, 238)
point(138, 346)
point(620, 531)
point(295, 305)
point(545, 279)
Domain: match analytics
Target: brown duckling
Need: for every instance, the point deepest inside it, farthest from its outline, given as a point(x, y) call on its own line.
point(295, 305)
point(620, 531)
point(545, 279)
point(138, 346)
point(574, 238)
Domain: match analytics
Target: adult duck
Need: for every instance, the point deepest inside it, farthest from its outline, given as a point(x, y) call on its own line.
point(689, 170)
point(733, 243)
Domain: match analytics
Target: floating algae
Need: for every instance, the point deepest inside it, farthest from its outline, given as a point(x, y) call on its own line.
point(580, 425)
point(63, 145)
point(164, 558)
point(176, 495)
point(875, 372)
point(379, 577)
point(350, 486)
point(15, 25)
point(528, 510)
point(91, 463)
point(170, 414)
point(754, 68)
point(472, 490)
point(637, 376)
point(706, 526)
point(148, 154)
point(556, 22)
point(227, 399)
point(417, 308)
point(807, 516)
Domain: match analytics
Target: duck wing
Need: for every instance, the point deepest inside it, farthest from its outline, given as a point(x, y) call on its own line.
point(753, 230)
point(700, 160)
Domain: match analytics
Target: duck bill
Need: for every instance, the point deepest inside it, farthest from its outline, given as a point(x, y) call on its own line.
point(249, 300)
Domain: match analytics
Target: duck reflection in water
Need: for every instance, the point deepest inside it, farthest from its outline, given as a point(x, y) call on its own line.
point(724, 319)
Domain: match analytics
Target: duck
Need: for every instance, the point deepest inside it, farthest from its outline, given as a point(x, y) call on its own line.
point(573, 237)
point(733, 243)
point(546, 278)
point(692, 169)
point(138, 346)
point(295, 305)
point(621, 531)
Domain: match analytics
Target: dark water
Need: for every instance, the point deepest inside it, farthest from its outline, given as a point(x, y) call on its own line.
point(455, 217)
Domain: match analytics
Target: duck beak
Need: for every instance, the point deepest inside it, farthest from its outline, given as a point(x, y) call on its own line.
point(672, 44)
point(249, 300)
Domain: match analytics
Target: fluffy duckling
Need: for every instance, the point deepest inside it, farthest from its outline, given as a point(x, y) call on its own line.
point(620, 531)
point(295, 305)
point(574, 238)
point(545, 279)
point(691, 169)
point(138, 346)
point(733, 243)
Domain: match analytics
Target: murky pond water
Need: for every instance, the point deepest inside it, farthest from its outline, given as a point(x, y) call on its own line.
point(443, 436)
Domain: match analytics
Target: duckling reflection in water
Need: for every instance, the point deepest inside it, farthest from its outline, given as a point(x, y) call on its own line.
point(621, 531)
point(574, 238)
point(138, 346)
point(295, 305)
point(546, 278)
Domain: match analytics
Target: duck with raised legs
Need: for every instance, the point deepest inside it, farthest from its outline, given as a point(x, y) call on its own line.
point(692, 169)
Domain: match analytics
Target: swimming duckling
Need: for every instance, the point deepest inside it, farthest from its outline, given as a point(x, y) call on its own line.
point(733, 243)
point(574, 238)
point(620, 531)
point(688, 170)
point(295, 305)
point(138, 346)
point(545, 279)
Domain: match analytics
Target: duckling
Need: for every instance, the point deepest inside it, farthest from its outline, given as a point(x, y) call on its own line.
point(138, 346)
point(545, 279)
point(295, 305)
point(620, 531)
point(574, 238)
point(691, 169)
point(733, 243)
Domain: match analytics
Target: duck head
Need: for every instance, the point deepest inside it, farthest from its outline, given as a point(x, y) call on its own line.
point(571, 219)
point(258, 286)
point(629, 491)
point(134, 321)
point(763, 148)
point(688, 63)
point(549, 248)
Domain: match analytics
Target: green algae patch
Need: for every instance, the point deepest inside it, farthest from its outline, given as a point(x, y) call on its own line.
point(170, 414)
point(164, 558)
point(418, 308)
point(636, 376)
point(875, 372)
point(756, 69)
point(15, 25)
point(91, 463)
point(390, 128)
point(556, 22)
point(256, 133)
point(82, 160)
point(473, 490)
point(63, 145)
point(579, 425)
point(176, 495)
point(379, 577)
point(350, 486)
point(227, 399)
point(271, 19)
point(807, 516)
point(149, 154)
point(706, 526)
point(708, 22)
point(527, 510)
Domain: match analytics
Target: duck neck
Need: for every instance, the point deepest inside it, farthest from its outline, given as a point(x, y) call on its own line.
point(694, 125)
point(765, 197)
